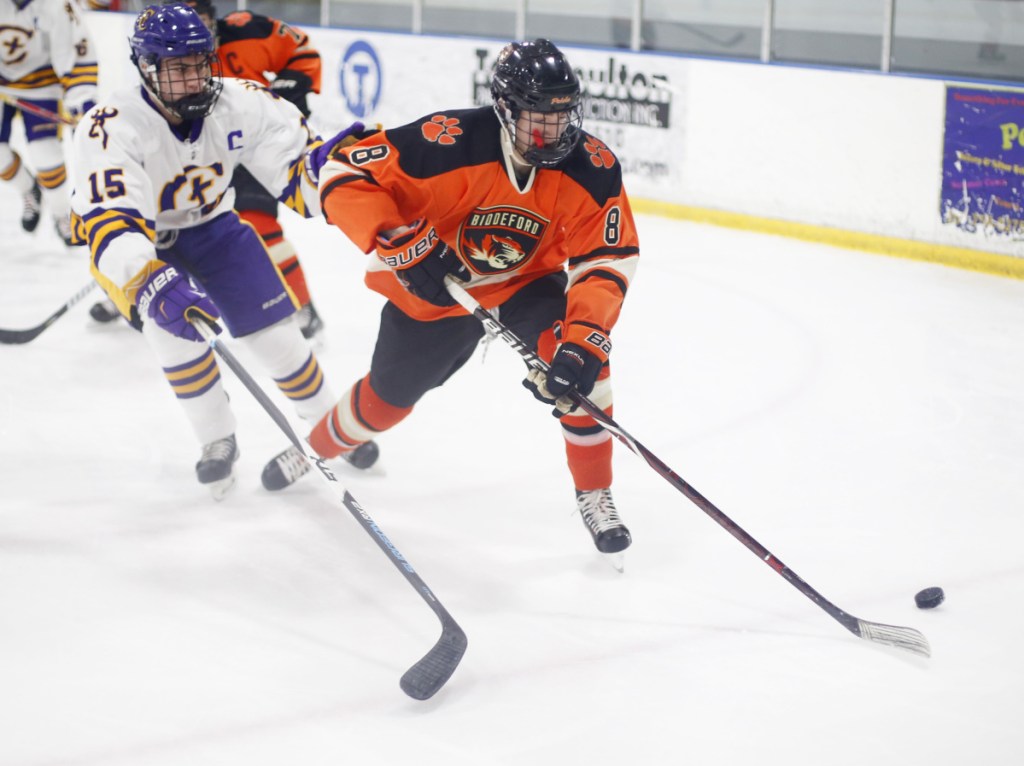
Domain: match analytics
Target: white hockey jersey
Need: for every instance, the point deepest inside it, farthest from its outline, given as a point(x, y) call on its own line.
point(45, 52)
point(136, 181)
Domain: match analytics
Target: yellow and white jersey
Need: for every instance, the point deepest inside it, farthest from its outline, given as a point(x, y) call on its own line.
point(45, 50)
point(137, 179)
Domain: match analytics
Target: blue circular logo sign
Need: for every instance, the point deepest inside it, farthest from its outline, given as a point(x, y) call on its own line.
point(361, 79)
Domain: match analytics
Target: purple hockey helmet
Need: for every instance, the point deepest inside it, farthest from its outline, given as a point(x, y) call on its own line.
point(206, 10)
point(163, 32)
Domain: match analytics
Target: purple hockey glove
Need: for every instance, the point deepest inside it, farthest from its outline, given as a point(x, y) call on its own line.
point(165, 298)
point(317, 158)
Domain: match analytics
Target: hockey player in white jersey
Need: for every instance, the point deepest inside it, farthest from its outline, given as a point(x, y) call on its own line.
point(152, 197)
point(46, 59)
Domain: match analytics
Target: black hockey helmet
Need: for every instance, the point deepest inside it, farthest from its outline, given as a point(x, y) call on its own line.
point(536, 77)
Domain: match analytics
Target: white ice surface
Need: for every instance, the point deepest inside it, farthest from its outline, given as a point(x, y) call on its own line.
point(862, 417)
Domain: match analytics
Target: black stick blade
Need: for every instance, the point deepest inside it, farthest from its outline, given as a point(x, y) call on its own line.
point(893, 635)
point(16, 337)
point(424, 679)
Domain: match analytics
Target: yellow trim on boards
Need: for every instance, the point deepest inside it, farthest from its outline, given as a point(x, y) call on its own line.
point(947, 255)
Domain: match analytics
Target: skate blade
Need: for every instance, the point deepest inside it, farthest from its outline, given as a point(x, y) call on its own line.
point(617, 560)
point(219, 489)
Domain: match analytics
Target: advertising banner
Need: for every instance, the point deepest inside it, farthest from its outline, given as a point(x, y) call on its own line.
point(983, 162)
point(631, 102)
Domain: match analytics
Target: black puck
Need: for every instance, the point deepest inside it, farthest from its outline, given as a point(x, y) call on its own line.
point(929, 598)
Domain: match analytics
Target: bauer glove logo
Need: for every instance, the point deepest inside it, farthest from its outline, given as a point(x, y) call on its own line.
point(154, 286)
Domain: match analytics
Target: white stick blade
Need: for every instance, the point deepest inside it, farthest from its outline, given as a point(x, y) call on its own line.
point(893, 635)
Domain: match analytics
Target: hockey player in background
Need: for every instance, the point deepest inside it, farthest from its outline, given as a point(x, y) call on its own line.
point(251, 46)
point(530, 212)
point(153, 199)
point(46, 61)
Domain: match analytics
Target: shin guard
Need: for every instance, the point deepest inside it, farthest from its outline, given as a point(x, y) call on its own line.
point(588, 446)
point(358, 417)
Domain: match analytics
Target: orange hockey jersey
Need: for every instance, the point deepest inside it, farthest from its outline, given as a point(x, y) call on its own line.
point(249, 45)
point(450, 169)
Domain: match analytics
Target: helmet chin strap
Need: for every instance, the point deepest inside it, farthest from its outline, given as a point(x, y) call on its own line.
point(148, 72)
point(171, 115)
point(520, 172)
point(508, 139)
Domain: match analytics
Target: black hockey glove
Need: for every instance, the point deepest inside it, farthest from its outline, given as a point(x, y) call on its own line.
point(293, 86)
point(421, 260)
point(573, 368)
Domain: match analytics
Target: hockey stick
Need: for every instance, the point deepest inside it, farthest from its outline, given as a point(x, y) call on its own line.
point(24, 336)
point(890, 635)
point(38, 111)
point(427, 676)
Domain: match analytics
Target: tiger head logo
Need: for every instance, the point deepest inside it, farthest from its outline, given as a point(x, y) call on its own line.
point(501, 238)
point(499, 253)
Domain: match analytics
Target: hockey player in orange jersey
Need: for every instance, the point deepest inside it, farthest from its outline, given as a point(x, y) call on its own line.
point(529, 211)
point(248, 46)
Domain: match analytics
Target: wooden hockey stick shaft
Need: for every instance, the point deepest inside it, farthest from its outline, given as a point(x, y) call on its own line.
point(38, 111)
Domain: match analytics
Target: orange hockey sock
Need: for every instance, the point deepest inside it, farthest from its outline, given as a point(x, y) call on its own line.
point(292, 271)
point(590, 462)
point(265, 224)
point(358, 417)
point(282, 252)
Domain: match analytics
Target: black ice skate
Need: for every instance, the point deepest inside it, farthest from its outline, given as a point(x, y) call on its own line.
point(104, 311)
point(214, 467)
point(598, 511)
point(309, 321)
point(32, 207)
point(291, 465)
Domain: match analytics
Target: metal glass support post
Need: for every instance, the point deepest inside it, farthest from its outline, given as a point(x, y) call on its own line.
point(636, 38)
point(887, 33)
point(520, 20)
point(766, 31)
point(417, 17)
